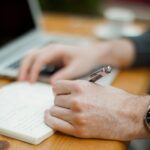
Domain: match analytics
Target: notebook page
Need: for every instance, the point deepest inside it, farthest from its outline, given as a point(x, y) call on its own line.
point(22, 108)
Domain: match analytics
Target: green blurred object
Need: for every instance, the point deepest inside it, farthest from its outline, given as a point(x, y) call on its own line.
point(84, 7)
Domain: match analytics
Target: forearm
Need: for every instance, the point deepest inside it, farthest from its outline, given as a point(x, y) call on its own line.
point(126, 52)
point(123, 53)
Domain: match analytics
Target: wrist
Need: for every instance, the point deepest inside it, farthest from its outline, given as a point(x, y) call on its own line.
point(138, 130)
point(123, 52)
point(144, 131)
point(104, 53)
point(118, 53)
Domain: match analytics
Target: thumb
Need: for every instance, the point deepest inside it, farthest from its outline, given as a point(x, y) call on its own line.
point(66, 73)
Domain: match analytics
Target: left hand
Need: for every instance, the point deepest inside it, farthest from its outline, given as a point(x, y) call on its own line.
point(88, 110)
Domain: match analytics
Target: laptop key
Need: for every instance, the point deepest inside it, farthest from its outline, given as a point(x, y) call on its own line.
point(15, 65)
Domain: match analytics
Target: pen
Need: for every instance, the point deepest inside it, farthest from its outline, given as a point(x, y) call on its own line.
point(100, 73)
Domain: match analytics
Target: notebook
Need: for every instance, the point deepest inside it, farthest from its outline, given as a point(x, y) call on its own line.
point(22, 107)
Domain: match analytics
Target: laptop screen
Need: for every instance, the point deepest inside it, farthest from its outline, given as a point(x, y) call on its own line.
point(15, 20)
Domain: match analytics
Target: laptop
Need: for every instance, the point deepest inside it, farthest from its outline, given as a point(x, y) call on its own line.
point(20, 32)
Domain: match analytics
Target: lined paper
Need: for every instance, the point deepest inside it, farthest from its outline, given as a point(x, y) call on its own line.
point(22, 107)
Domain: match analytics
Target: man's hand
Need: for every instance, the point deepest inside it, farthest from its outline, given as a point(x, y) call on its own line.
point(75, 61)
point(88, 110)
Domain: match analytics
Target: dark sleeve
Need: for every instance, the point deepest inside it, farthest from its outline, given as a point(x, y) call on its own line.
point(142, 47)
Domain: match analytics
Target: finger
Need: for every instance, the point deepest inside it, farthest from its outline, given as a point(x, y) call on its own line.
point(37, 56)
point(63, 101)
point(36, 67)
point(66, 73)
point(46, 58)
point(26, 65)
point(58, 124)
point(64, 87)
point(61, 113)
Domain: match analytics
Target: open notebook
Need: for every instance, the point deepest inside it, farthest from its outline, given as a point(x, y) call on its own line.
point(22, 107)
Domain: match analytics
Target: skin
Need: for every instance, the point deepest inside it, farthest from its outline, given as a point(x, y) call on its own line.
point(76, 60)
point(87, 110)
point(84, 109)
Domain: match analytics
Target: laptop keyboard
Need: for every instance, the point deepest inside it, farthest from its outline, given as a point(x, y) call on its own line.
point(46, 70)
point(15, 65)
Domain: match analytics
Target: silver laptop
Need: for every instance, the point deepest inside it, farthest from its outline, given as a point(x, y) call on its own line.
point(20, 32)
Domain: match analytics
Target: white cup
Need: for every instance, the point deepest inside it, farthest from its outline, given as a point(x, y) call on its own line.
point(118, 18)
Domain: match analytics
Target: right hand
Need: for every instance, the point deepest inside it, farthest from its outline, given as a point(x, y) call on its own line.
point(75, 61)
point(88, 110)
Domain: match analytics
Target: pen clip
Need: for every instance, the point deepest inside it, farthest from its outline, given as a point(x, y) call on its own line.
point(100, 73)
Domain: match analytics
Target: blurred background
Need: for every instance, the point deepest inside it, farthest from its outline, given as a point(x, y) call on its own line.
point(119, 14)
point(96, 7)
point(86, 7)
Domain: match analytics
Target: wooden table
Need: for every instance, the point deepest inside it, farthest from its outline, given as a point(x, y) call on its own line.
point(135, 81)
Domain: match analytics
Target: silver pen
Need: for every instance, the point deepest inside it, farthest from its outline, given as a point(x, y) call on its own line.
point(99, 73)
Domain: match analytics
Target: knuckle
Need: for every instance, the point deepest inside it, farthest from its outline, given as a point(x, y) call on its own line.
point(80, 85)
point(76, 105)
point(81, 132)
point(79, 119)
point(79, 104)
point(77, 87)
